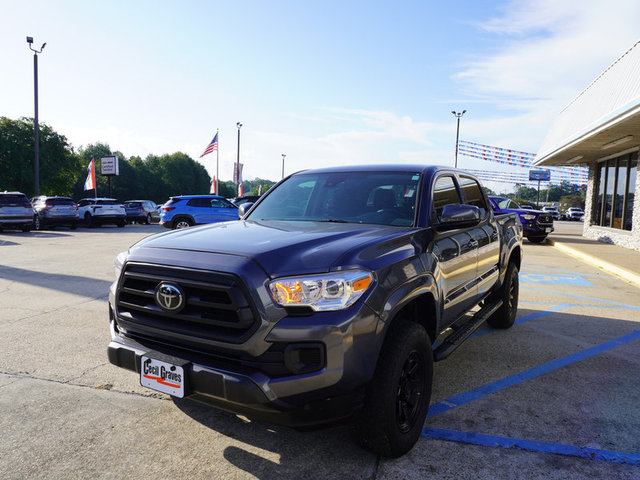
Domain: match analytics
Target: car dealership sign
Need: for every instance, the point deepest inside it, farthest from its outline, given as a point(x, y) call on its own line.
point(109, 166)
point(540, 175)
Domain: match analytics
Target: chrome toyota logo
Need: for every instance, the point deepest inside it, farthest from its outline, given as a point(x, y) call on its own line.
point(169, 297)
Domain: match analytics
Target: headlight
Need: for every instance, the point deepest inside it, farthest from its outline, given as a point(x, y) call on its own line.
point(331, 291)
point(118, 263)
point(529, 217)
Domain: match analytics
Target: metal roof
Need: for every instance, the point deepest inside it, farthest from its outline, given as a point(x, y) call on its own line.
point(603, 119)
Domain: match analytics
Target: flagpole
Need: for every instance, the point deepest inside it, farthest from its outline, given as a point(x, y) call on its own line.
point(217, 162)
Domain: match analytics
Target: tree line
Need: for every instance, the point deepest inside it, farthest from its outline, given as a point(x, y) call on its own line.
point(565, 196)
point(63, 171)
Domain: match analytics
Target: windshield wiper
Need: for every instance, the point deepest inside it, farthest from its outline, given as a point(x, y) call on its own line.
point(332, 220)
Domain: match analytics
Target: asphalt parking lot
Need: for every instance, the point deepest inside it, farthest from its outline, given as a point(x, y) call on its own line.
point(556, 396)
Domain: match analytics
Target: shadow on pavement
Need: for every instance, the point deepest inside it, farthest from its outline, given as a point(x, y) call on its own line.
point(297, 453)
point(75, 284)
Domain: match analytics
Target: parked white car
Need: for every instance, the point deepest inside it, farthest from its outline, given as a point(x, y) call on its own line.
point(101, 211)
point(553, 211)
point(573, 213)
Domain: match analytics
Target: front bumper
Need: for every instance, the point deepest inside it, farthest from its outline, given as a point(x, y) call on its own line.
point(226, 380)
point(534, 229)
point(244, 394)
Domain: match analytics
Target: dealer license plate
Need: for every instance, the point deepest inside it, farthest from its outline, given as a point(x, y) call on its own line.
point(162, 376)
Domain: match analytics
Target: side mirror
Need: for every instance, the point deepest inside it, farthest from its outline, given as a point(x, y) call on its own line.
point(458, 216)
point(243, 209)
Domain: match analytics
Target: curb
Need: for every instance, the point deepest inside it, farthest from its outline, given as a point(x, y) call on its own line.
point(623, 274)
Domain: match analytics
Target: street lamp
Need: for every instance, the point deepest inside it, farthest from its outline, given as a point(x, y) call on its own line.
point(283, 155)
point(239, 125)
point(458, 116)
point(36, 128)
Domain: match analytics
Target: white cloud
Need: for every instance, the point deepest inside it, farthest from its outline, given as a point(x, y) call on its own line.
point(554, 50)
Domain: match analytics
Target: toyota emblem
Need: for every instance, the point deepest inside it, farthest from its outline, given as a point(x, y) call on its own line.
point(169, 297)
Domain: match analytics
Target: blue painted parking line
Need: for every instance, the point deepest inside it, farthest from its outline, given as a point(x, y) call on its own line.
point(555, 279)
point(547, 270)
point(630, 307)
point(484, 390)
point(532, 446)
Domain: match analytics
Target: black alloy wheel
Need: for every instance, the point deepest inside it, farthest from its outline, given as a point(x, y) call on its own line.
point(411, 388)
point(398, 395)
point(505, 316)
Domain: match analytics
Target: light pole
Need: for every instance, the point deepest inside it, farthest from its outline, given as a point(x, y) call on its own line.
point(239, 125)
point(283, 155)
point(458, 116)
point(36, 128)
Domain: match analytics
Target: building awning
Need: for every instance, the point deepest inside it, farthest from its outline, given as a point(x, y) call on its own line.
point(602, 120)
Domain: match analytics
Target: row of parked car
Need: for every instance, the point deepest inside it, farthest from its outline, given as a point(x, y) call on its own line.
point(18, 212)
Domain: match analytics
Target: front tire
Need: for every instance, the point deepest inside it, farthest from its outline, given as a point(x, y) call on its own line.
point(148, 219)
point(508, 293)
point(36, 223)
point(399, 394)
point(537, 239)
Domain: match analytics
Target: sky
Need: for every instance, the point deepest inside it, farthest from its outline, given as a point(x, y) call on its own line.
point(325, 83)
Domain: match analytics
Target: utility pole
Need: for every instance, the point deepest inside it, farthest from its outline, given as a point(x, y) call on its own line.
point(458, 116)
point(36, 127)
point(239, 125)
point(283, 155)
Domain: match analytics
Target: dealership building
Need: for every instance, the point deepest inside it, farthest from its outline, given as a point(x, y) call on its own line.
point(600, 128)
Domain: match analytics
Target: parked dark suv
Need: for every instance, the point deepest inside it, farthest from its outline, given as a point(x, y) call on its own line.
point(15, 211)
point(54, 211)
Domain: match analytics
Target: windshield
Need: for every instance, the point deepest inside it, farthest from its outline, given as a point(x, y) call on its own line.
point(383, 198)
point(506, 204)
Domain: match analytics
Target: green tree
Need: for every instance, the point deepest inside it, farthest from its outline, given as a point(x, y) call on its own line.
point(487, 190)
point(59, 165)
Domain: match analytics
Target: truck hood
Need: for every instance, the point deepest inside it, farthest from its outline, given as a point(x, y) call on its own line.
point(280, 248)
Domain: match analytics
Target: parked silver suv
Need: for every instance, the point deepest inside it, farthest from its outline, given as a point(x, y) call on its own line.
point(54, 211)
point(15, 211)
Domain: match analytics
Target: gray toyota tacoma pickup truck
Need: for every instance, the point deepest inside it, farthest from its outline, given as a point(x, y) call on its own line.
point(328, 301)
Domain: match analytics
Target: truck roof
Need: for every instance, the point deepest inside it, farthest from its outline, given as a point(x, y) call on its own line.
point(390, 167)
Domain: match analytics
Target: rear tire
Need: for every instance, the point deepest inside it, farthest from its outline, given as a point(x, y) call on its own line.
point(508, 293)
point(36, 223)
point(182, 222)
point(399, 394)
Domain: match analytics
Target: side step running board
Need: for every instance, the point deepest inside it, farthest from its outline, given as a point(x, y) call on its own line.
point(461, 333)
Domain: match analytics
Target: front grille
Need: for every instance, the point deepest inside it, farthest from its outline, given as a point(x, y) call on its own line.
point(217, 307)
point(546, 218)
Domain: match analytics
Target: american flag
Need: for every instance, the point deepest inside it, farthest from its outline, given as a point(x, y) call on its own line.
point(211, 147)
